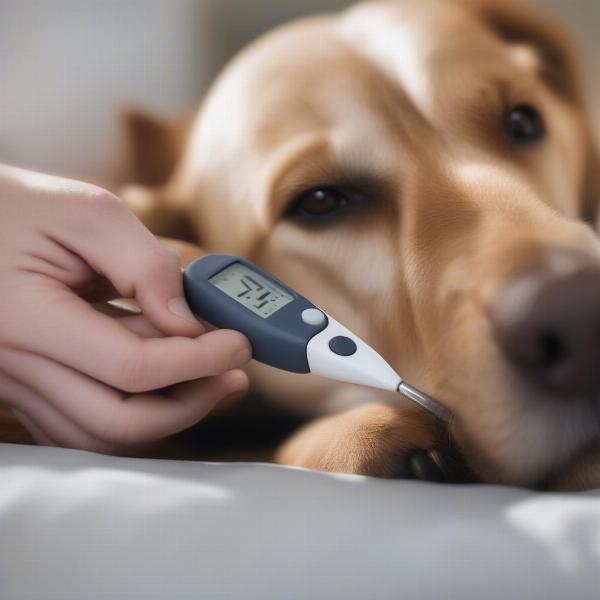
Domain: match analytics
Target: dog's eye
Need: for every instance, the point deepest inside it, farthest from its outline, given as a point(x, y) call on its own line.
point(320, 202)
point(524, 124)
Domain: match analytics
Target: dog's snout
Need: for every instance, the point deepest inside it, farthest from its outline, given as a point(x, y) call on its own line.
point(547, 323)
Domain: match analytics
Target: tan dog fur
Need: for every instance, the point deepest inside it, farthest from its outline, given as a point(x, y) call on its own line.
point(402, 101)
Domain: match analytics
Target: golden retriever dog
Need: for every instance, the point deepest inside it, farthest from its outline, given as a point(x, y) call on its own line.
point(425, 171)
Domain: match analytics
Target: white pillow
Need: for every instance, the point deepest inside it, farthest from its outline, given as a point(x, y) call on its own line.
point(76, 525)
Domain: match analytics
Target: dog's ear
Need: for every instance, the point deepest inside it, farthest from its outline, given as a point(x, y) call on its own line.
point(518, 23)
point(154, 148)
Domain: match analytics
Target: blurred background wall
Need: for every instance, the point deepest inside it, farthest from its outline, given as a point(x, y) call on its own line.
point(67, 67)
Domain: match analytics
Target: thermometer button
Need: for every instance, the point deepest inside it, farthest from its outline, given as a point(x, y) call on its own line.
point(342, 345)
point(313, 316)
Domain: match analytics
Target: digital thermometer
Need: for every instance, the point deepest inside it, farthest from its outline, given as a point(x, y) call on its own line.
point(285, 329)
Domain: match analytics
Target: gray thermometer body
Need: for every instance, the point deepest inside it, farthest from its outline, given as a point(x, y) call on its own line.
point(232, 293)
point(286, 330)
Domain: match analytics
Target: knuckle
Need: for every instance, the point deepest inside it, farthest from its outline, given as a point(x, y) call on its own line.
point(165, 256)
point(162, 260)
point(104, 201)
point(105, 198)
point(157, 264)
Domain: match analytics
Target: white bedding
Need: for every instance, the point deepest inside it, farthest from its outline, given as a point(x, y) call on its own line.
point(75, 525)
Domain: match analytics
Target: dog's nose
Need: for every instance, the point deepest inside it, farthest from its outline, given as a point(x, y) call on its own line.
point(548, 326)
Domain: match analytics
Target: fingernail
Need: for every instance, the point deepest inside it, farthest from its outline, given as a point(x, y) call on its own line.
point(238, 387)
point(179, 307)
point(240, 358)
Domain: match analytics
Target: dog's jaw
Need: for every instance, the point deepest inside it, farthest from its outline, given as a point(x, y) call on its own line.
point(507, 430)
point(527, 443)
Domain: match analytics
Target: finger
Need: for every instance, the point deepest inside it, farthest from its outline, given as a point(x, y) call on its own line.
point(157, 418)
point(190, 391)
point(45, 423)
point(184, 250)
point(39, 437)
point(140, 326)
point(107, 351)
point(107, 415)
point(108, 236)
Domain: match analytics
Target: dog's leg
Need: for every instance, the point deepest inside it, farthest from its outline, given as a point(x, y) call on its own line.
point(369, 440)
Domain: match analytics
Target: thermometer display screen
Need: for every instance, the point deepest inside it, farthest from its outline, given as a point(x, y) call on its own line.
point(260, 295)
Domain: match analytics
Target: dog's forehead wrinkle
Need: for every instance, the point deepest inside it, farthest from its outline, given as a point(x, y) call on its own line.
point(365, 146)
point(300, 163)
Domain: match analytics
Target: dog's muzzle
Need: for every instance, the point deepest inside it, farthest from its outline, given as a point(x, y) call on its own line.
point(546, 320)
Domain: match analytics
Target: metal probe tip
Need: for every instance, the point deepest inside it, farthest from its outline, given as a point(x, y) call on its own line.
point(427, 402)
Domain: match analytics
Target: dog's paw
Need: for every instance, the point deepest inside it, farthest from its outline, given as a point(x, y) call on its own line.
point(377, 440)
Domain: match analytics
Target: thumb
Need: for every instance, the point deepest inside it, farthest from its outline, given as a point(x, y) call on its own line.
point(110, 238)
point(153, 297)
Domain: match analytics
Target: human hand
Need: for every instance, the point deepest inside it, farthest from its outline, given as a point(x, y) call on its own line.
point(73, 375)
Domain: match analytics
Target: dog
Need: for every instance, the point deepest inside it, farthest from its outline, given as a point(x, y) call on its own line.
point(425, 171)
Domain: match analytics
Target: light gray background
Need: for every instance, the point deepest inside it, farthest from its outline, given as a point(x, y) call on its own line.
point(67, 67)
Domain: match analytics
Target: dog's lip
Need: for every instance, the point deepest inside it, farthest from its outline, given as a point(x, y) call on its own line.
point(496, 470)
